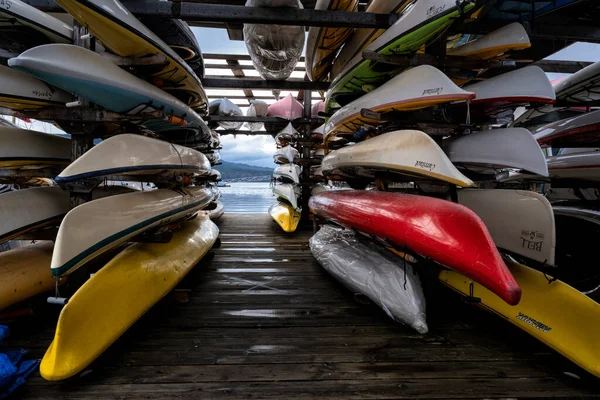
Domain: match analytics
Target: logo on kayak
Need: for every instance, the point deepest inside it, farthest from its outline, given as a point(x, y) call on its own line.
point(532, 240)
point(530, 321)
point(425, 165)
point(435, 10)
point(432, 92)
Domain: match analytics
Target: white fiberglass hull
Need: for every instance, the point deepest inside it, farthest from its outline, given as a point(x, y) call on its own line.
point(290, 172)
point(288, 192)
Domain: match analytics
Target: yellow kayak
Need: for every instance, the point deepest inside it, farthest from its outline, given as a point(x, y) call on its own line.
point(123, 34)
point(120, 293)
point(554, 313)
point(25, 272)
point(285, 215)
point(323, 43)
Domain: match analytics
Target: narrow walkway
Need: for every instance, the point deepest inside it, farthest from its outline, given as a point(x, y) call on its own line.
point(264, 321)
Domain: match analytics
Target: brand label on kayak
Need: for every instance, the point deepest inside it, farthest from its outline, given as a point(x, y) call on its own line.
point(435, 10)
point(532, 240)
point(530, 321)
point(433, 92)
point(425, 165)
point(7, 4)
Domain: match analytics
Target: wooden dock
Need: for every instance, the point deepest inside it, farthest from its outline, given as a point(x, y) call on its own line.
point(264, 321)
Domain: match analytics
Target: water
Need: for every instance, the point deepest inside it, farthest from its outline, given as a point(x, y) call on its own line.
point(247, 197)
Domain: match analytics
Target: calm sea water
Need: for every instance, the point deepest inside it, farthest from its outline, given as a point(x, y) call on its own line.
point(247, 197)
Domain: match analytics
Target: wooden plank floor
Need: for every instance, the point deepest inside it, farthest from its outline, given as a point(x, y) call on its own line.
point(265, 321)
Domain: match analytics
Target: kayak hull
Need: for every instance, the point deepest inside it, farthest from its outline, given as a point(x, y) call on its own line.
point(286, 217)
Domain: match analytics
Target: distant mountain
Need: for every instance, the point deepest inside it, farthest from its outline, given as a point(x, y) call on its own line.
point(238, 172)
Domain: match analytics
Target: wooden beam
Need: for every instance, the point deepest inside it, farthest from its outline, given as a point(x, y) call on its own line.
point(222, 82)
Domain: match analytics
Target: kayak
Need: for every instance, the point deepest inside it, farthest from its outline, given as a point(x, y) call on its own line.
point(25, 272)
point(20, 91)
point(552, 312)
point(408, 153)
point(286, 135)
point(520, 222)
point(216, 210)
point(285, 155)
point(488, 152)
point(285, 215)
point(27, 149)
point(580, 167)
point(288, 109)
point(511, 37)
point(123, 34)
point(373, 271)
point(446, 232)
point(257, 108)
point(288, 192)
point(117, 219)
point(580, 131)
point(140, 157)
point(417, 25)
point(288, 172)
point(417, 88)
point(121, 292)
point(323, 43)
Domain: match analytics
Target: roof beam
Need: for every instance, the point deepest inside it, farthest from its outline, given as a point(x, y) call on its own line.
point(218, 82)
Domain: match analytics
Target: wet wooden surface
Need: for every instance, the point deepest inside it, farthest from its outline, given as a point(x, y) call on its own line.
point(265, 321)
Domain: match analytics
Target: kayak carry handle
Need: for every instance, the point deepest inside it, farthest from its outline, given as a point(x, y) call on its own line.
point(61, 301)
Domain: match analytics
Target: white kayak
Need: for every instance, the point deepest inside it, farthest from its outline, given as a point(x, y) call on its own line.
point(288, 172)
point(286, 135)
point(316, 171)
point(213, 176)
point(97, 226)
point(409, 153)
point(215, 210)
point(512, 36)
point(134, 155)
point(226, 108)
point(285, 155)
point(91, 76)
point(420, 87)
point(287, 192)
point(21, 91)
point(580, 131)
point(520, 222)
point(27, 149)
point(580, 167)
point(487, 152)
point(257, 108)
point(580, 89)
point(16, 14)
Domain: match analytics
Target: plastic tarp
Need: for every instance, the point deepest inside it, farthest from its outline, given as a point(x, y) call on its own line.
point(274, 49)
point(257, 109)
point(225, 108)
point(367, 268)
point(13, 369)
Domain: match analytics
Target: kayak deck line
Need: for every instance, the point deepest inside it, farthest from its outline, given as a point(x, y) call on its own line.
point(277, 326)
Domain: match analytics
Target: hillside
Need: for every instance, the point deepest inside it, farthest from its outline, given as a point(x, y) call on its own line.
point(237, 172)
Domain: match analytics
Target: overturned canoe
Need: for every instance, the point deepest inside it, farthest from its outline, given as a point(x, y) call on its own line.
point(578, 131)
point(410, 153)
point(117, 219)
point(285, 215)
point(446, 232)
point(580, 89)
point(579, 167)
point(27, 149)
point(120, 293)
point(21, 91)
point(512, 37)
point(486, 152)
point(133, 155)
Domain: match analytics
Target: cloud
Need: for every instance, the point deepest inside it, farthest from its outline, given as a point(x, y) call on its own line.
point(253, 150)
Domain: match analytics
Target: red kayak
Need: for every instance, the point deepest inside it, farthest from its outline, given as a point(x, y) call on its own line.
point(446, 232)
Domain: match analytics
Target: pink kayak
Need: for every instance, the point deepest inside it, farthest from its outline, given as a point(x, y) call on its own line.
point(445, 232)
point(288, 108)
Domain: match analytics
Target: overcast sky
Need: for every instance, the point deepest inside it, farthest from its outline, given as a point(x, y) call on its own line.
point(258, 150)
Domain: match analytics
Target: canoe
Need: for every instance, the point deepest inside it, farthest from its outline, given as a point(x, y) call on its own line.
point(580, 89)
point(123, 34)
point(288, 172)
point(192, 134)
point(446, 232)
point(134, 155)
point(91, 76)
point(362, 37)
point(374, 272)
point(225, 108)
point(487, 152)
point(28, 27)
point(216, 210)
point(257, 108)
point(180, 38)
point(579, 167)
point(512, 37)
point(323, 43)
point(411, 153)
point(417, 88)
point(117, 219)
point(524, 86)
point(554, 313)
point(580, 131)
point(25, 272)
point(287, 192)
point(214, 176)
point(417, 25)
point(274, 49)
point(121, 292)
point(285, 215)
point(285, 155)
point(20, 91)
point(27, 149)
point(520, 222)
